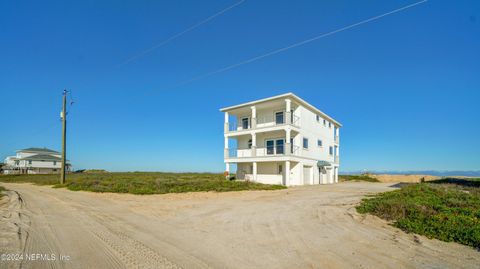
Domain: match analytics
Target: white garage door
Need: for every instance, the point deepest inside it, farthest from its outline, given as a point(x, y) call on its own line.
point(306, 175)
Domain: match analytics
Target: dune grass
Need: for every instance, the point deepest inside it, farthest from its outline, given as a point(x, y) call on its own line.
point(367, 178)
point(447, 209)
point(142, 182)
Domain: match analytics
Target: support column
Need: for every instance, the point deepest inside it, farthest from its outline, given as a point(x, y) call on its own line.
point(225, 151)
point(254, 117)
point(288, 145)
point(287, 173)
point(227, 167)
point(225, 128)
point(254, 171)
point(336, 174)
point(288, 108)
point(254, 145)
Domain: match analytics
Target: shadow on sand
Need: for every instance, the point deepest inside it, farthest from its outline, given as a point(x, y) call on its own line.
point(458, 181)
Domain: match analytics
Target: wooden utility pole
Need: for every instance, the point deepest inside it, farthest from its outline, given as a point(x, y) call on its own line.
point(63, 115)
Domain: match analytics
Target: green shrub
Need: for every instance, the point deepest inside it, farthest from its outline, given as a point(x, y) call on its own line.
point(364, 177)
point(143, 182)
point(445, 212)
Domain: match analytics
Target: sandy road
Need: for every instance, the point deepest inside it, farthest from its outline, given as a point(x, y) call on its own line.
point(305, 227)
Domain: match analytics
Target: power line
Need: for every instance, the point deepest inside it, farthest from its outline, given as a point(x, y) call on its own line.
point(168, 40)
point(299, 43)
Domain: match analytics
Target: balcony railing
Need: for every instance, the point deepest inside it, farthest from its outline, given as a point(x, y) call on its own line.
point(233, 127)
point(264, 121)
point(272, 120)
point(279, 150)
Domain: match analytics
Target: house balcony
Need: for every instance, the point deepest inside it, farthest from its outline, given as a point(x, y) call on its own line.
point(276, 119)
point(279, 150)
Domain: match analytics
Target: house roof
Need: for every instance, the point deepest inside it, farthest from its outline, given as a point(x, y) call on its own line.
point(41, 157)
point(38, 150)
point(289, 95)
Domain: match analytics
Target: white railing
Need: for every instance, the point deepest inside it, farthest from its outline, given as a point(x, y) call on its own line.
point(233, 127)
point(263, 121)
point(265, 178)
point(272, 120)
point(280, 150)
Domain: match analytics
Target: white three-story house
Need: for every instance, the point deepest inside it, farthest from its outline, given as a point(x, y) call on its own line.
point(281, 140)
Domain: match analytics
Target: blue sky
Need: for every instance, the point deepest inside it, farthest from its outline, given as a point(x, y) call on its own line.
point(406, 87)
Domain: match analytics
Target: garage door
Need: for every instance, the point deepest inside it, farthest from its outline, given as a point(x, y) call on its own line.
point(306, 175)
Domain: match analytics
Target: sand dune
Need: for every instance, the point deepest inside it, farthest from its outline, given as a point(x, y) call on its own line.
point(387, 178)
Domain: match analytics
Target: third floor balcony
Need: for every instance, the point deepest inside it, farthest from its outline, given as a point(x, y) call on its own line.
point(263, 121)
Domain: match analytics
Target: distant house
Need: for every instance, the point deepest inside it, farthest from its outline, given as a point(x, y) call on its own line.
point(281, 140)
point(34, 161)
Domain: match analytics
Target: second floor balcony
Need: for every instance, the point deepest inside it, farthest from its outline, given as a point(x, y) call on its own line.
point(278, 150)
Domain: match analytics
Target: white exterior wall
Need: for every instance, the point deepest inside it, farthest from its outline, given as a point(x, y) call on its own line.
point(45, 164)
point(314, 130)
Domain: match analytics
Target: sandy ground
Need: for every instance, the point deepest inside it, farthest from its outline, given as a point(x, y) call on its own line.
point(403, 178)
point(304, 227)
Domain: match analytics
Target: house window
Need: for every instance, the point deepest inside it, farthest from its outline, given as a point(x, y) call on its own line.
point(270, 147)
point(305, 143)
point(280, 169)
point(279, 118)
point(279, 146)
point(245, 123)
point(330, 150)
point(319, 142)
point(275, 146)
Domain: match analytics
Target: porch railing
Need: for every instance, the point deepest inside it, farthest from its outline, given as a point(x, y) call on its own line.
point(279, 150)
point(263, 121)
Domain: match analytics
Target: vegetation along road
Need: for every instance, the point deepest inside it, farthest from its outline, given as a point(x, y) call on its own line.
point(301, 227)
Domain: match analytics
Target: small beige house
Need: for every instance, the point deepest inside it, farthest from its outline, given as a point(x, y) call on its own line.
point(281, 140)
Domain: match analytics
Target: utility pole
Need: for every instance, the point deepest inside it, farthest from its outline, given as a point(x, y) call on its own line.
point(63, 115)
